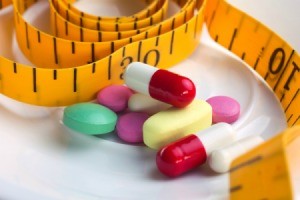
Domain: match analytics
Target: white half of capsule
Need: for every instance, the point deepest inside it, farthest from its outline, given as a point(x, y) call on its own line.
point(138, 75)
point(220, 160)
point(216, 136)
point(142, 103)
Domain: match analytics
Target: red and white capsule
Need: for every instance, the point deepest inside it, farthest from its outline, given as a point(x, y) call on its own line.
point(162, 85)
point(193, 150)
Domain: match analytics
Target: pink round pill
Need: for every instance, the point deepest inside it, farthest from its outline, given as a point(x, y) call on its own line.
point(130, 126)
point(115, 97)
point(225, 109)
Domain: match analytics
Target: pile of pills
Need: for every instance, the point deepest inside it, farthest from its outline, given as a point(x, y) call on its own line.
point(158, 108)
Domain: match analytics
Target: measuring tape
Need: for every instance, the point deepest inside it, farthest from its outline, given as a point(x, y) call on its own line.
point(86, 53)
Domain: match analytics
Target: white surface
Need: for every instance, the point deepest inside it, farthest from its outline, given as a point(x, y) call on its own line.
point(220, 159)
point(137, 76)
point(217, 136)
point(40, 159)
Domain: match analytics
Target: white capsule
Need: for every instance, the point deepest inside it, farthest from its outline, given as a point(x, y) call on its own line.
point(220, 159)
point(142, 103)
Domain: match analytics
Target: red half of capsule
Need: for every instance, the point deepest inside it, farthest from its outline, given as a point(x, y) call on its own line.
point(171, 88)
point(181, 156)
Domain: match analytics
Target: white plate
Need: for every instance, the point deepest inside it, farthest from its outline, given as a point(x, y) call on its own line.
point(40, 159)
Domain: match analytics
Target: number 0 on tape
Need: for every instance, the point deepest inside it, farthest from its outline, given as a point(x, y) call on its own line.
point(89, 52)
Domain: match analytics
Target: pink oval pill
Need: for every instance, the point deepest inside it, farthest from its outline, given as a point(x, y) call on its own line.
point(115, 97)
point(130, 126)
point(225, 109)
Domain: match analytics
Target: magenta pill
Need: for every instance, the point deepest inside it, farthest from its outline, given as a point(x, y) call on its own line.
point(114, 97)
point(224, 108)
point(130, 126)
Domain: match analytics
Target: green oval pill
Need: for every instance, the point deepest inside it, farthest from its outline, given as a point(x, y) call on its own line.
point(89, 118)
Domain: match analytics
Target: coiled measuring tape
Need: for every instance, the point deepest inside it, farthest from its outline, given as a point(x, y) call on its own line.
point(88, 52)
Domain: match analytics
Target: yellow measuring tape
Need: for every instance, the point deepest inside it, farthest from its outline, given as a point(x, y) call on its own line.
point(86, 53)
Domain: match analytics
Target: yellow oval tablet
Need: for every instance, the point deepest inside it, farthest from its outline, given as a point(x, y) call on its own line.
point(174, 123)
